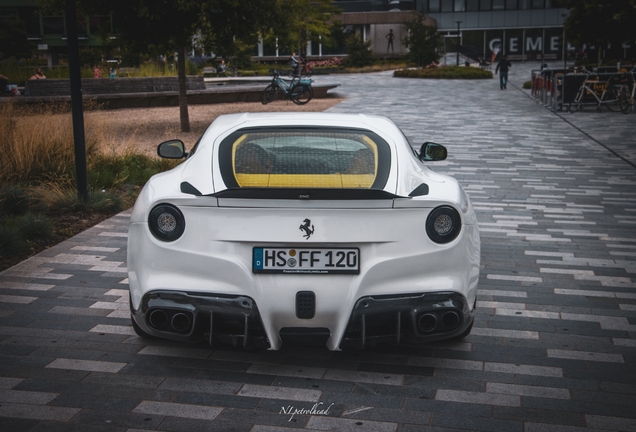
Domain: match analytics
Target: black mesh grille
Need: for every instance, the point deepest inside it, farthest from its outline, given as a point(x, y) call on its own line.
point(305, 304)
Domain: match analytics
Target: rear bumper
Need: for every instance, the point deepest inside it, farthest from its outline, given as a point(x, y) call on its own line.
point(415, 318)
point(195, 317)
point(235, 319)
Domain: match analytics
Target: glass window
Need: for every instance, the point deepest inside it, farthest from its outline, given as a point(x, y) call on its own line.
point(498, 4)
point(460, 6)
point(537, 4)
point(472, 5)
point(447, 5)
point(485, 5)
point(324, 159)
point(433, 5)
point(511, 4)
point(524, 4)
point(53, 25)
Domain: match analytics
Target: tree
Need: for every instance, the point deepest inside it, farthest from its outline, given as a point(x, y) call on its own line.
point(422, 41)
point(299, 20)
point(600, 22)
point(168, 26)
point(358, 51)
point(13, 39)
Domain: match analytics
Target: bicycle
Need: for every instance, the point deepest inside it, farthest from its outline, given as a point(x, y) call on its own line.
point(626, 95)
point(604, 92)
point(298, 90)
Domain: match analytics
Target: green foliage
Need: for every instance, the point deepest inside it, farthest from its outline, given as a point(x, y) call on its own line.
point(527, 85)
point(422, 41)
point(14, 200)
point(11, 242)
point(600, 22)
point(13, 39)
point(32, 226)
point(56, 200)
point(447, 72)
point(358, 52)
point(298, 21)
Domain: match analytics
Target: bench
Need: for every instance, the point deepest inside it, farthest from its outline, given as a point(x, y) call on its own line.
point(101, 86)
point(484, 64)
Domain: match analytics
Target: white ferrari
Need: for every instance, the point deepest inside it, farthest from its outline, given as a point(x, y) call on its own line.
point(306, 228)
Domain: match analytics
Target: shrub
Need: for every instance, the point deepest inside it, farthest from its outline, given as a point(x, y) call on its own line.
point(11, 242)
point(14, 200)
point(446, 72)
point(358, 51)
point(55, 199)
point(32, 226)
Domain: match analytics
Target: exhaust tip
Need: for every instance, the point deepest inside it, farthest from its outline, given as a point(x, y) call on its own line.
point(158, 318)
point(427, 322)
point(180, 322)
point(450, 320)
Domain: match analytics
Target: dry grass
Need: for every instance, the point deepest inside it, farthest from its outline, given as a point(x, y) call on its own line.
point(38, 143)
point(142, 129)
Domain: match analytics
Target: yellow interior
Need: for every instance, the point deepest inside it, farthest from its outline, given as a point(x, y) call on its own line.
point(330, 181)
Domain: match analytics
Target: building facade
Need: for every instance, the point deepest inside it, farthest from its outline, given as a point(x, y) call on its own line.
point(522, 29)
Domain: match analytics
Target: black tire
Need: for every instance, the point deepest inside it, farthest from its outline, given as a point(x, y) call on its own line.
point(269, 94)
point(139, 331)
point(301, 94)
point(610, 100)
point(624, 100)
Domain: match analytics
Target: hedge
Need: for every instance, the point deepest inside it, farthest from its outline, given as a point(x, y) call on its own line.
point(445, 72)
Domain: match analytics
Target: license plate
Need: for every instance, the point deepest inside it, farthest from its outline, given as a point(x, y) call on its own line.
point(306, 260)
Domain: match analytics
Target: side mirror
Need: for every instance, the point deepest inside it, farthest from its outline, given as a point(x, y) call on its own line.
point(173, 149)
point(432, 152)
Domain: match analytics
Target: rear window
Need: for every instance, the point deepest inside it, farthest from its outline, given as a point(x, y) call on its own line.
point(323, 158)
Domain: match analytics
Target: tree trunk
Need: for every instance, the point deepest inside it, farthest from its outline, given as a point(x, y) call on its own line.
point(183, 90)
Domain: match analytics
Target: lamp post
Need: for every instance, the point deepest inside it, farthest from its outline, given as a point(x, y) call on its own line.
point(565, 61)
point(458, 23)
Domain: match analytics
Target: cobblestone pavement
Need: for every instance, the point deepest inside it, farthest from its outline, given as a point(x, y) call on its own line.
point(554, 343)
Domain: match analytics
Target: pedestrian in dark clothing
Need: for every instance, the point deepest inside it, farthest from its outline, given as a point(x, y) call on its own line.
point(503, 65)
point(389, 44)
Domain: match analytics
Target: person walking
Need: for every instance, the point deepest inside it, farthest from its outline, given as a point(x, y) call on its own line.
point(503, 65)
point(96, 72)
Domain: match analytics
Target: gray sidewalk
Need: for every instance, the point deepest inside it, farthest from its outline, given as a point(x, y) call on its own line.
point(554, 343)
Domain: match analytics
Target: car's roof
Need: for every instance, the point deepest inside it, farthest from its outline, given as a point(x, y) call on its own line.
point(303, 118)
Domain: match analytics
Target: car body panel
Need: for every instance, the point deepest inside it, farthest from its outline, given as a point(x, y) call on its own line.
point(214, 254)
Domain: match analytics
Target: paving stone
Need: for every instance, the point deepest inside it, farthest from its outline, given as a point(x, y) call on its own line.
point(557, 214)
point(178, 410)
point(252, 390)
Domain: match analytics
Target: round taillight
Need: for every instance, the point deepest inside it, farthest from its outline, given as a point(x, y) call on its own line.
point(166, 222)
point(443, 224)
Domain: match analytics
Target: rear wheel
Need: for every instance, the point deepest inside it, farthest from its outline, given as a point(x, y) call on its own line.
point(301, 94)
point(139, 331)
point(269, 94)
point(624, 100)
point(610, 99)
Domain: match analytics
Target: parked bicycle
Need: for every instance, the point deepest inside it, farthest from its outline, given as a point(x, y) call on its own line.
point(298, 90)
point(595, 90)
point(626, 96)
